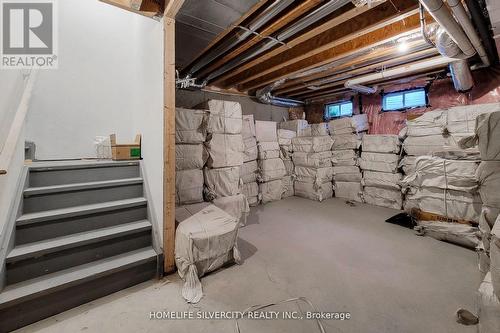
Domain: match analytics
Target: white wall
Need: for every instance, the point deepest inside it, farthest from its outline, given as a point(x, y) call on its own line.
point(11, 89)
point(109, 80)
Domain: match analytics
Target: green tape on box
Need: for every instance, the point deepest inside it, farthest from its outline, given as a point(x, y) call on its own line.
point(135, 152)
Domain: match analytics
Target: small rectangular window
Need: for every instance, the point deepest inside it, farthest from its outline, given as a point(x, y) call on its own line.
point(402, 100)
point(339, 109)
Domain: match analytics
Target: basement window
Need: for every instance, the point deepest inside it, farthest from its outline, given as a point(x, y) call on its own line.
point(403, 100)
point(339, 109)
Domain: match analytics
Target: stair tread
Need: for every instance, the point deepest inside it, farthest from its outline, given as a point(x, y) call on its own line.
point(79, 210)
point(74, 275)
point(37, 249)
point(81, 186)
point(71, 165)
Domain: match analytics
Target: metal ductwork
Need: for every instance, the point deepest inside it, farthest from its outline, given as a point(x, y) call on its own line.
point(461, 15)
point(265, 96)
point(461, 76)
point(443, 17)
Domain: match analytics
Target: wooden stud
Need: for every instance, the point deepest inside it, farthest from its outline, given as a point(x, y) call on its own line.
point(171, 10)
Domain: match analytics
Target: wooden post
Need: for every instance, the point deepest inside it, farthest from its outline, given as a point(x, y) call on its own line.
point(171, 9)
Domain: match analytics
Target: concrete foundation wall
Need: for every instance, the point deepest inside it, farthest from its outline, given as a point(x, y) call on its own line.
point(188, 99)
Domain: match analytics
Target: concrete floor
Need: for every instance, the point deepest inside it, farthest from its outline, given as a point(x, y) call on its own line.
point(339, 257)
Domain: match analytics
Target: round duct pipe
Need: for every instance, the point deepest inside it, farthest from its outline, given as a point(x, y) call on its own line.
point(461, 76)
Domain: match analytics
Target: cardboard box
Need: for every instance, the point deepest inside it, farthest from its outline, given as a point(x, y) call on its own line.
point(126, 151)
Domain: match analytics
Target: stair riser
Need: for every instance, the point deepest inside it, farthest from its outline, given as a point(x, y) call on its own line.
point(37, 203)
point(60, 177)
point(62, 227)
point(45, 264)
point(19, 315)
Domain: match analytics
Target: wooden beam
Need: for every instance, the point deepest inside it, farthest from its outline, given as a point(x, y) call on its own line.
point(368, 21)
point(171, 10)
point(349, 45)
point(301, 9)
point(229, 29)
point(343, 15)
point(146, 8)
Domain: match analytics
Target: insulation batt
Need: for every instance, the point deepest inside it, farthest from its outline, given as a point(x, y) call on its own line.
point(317, 160)
point(487, 135)
point(320, 129)
point(285, 137)
point(188, 186)
point(249, 171)
point(383, 197)
point(251, 192)
point(347, 174)
point(224, 117)
point(289, 167)
point(266, 131)
point(495, 257)
point(382, 179)
point(348, 190)
point(248, 128)
point(431, 171)
point(383, 162)
point(294, 125)
point(250, 152)
point(271, 191)
point(457, 205)
point(346, 141)
point(355, 124)
point(190, 126)
point(225, 150)
point(287, 184)
point(314, 175)
point(312, 144)
point(346, 157)
point(236, 206)
point(190, 156)
point(203, 243)
point(271, 169)
point(313, 192)
point(268, 150)
point(488, 307)
point(456, 233)
point(221, 182)
point(488, 176)
point(381, 143)
point(427, 145)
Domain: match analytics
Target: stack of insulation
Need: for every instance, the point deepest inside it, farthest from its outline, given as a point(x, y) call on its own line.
point(249, 170)
point(313, 169)
point(299, 126)
point(380, 163)
point(285, 142)
point(347, 134)
point(190, 155)
point(271, 167)
point(225, 157)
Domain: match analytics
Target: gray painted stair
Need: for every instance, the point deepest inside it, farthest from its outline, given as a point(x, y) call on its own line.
point(83, 233)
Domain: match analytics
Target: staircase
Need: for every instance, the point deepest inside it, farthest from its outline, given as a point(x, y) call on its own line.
point(83, 233)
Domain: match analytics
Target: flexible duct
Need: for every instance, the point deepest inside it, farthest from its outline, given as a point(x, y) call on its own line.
point(442, 15)
point(265, 96)
point(461, 76)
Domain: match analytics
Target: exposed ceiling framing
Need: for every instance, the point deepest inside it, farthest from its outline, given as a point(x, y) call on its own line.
point(311, 62)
